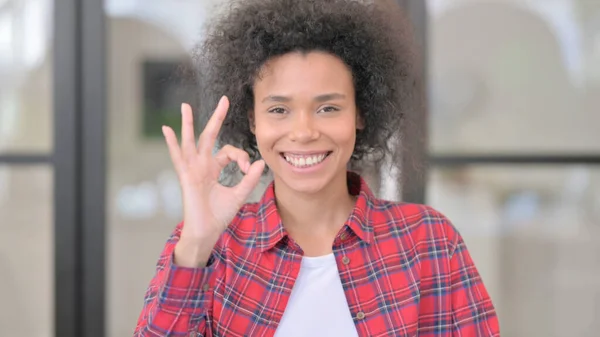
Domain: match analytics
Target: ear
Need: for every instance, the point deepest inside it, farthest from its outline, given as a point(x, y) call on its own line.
point(360, 122)
point(251, 122)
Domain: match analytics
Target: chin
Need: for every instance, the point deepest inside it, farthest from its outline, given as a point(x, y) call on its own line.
point(309, 186)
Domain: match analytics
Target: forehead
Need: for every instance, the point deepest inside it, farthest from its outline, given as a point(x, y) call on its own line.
point(304, 72)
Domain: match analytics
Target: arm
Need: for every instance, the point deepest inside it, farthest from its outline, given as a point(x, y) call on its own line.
point(473, 314)
point(179, 299)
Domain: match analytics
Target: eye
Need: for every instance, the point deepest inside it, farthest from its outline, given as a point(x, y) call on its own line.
point(277, 111)
point(328, 109)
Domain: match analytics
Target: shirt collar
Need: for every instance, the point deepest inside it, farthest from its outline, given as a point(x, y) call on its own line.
point(270, 227)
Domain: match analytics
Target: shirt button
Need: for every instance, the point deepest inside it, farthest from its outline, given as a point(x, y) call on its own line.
point(345, 260)
point(360, 315)
point(343, 236)
point(205, 287)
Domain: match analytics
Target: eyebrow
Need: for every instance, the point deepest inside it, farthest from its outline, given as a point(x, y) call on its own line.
point(320, 98)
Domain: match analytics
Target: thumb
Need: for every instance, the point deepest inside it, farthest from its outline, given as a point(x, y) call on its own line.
point(250, 180)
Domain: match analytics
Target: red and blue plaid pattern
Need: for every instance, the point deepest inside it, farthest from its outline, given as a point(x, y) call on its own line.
point(404, 268)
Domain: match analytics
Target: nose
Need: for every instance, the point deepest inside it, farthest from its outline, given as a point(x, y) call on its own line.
point(304, 128)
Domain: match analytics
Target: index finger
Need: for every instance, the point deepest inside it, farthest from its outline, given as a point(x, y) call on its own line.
point(208, 137)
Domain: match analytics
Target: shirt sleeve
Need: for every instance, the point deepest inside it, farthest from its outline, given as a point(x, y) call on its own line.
point(178, 301)
point(473, 313)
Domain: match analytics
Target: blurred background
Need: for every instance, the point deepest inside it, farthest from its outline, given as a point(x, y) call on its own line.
point(88, 196)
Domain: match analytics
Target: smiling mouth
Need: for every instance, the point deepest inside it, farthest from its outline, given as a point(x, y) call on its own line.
point(305, 160)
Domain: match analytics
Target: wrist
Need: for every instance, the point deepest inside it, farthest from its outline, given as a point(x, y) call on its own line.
point(192, 254)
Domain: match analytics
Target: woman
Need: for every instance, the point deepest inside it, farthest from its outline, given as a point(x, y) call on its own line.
point(312, 87)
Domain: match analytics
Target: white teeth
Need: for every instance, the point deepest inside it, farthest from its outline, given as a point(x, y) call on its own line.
point(304, 161)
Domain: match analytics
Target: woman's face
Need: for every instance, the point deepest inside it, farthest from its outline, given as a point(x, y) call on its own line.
point(305, 119)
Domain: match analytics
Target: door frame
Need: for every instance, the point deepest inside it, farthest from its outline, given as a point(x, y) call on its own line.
point(79, 161)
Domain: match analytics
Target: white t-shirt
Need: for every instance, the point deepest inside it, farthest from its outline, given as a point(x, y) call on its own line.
point(317, 306)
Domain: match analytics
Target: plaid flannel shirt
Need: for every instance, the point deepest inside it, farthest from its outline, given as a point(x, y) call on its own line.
point(404, 268)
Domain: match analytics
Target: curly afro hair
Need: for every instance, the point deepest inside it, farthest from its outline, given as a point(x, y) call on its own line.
point(374, 41)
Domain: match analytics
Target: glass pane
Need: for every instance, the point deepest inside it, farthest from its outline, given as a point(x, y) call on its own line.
point(26, 251)
point(534, 233)
point(26, 118)
point(146, 42)
point(530, 86)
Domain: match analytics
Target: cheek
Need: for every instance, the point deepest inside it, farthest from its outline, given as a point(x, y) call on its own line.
point(350, 139)
point(265, 135)
point(346, 134)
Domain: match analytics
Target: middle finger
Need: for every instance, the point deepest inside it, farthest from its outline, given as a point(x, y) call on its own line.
point(211, 130)
point(188, 146)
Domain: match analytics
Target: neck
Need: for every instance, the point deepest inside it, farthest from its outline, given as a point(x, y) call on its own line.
point(320, 214)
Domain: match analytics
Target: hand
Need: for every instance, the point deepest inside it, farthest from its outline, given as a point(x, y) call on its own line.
point(208, 206)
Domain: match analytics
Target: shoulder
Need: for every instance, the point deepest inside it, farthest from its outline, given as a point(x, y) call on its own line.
point(418, 224)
